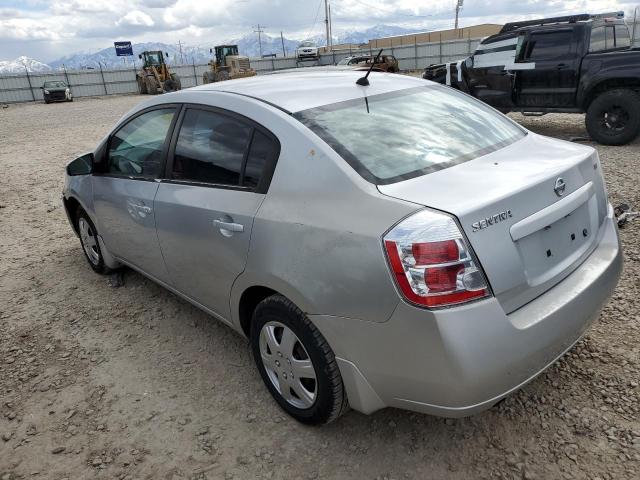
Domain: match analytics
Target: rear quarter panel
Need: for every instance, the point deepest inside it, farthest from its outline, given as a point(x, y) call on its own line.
point(317, 236)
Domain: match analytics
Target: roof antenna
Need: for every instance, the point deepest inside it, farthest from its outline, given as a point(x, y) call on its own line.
point(363, 80)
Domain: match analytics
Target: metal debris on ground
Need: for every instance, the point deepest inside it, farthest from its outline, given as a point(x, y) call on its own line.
point(623, 215)
point(116, 279)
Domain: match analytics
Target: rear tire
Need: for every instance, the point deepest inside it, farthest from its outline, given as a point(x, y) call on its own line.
point(613, 118)
point(314, 391)
point(169, 86)
point(89, 242)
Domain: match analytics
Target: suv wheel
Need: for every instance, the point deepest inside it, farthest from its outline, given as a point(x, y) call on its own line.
point(296, 363)
point(613, 118)
point(89, 241)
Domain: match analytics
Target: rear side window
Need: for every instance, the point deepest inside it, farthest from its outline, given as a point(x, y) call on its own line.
point(424, 129)
point(137, 148)
point(211, 148)
point(220, 149)
point(623, 39)
point(549, 45)
point(263, 151)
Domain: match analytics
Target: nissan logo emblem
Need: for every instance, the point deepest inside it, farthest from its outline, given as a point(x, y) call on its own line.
point(559, 187)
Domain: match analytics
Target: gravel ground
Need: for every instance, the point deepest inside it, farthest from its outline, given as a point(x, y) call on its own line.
point(132, 382)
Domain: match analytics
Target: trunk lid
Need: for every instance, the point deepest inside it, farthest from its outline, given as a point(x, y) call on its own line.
point(526, 236)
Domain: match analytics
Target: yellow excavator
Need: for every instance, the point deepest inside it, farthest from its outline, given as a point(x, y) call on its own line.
point(155, 76)
point(227, 65)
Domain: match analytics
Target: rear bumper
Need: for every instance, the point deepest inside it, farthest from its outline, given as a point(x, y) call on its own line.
point(459, 361)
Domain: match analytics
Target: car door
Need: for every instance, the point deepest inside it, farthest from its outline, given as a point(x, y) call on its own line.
point(219, 168)
point(553, 80)
point(125, 185)
point(488, 75)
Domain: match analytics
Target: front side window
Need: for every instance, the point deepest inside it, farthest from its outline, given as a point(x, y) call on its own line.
point(609, 38)
point(549, 45)
point(137, 148)
point(425, 129)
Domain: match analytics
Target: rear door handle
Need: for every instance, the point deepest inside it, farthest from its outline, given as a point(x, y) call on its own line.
point(561, 66)
point(227, 228)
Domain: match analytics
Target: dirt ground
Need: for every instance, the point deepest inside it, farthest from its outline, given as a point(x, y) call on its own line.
point(133, 383)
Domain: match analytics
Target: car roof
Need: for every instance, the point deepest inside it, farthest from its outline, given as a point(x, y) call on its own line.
point(300, 90)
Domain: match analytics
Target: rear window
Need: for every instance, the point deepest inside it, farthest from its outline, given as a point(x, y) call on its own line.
point(400, 135)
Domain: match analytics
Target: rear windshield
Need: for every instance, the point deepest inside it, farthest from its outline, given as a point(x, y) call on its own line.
point(400, 135)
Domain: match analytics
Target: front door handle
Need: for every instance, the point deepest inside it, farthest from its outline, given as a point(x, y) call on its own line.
point(561, 66)
point(228, 227)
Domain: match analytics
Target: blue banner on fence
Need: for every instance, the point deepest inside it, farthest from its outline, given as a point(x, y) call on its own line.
point(123, 49)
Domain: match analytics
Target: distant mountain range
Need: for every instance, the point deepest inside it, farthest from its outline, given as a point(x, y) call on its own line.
point(21, 63)
point(247, 45)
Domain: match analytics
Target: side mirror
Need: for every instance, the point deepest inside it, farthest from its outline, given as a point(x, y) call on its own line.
point(41, 88)
point(167, 54)
point(140, 56)
point(81, 166)
point(469, 62)
point(211, 50)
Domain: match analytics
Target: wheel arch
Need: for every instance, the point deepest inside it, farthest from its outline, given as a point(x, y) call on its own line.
point(248, 291)
point(603, 85)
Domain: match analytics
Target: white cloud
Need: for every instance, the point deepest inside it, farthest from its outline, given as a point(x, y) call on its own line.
point(47, 30)
point(136, 18)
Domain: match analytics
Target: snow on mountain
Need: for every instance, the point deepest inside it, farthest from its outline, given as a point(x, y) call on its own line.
point(19, 64)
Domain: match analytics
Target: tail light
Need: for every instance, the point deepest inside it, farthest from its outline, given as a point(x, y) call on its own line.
point(432, 262)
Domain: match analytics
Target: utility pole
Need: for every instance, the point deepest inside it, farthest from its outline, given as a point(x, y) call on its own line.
point(326, 21)
point(284, 52)
point(259, 31)
point(180, 47)
point(458, 8)
point(330, 29)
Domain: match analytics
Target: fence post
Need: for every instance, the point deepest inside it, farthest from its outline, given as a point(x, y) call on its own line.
point(415, 49)
point(30, 86)
point(440, 50)
point(333, 54)
point(104, 84)
point(195, 74)
point(67, 77)
point(273, 65)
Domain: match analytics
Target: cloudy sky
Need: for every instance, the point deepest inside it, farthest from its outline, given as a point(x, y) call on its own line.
point(46, 30)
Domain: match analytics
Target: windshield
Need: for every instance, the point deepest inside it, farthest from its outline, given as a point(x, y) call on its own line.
point(58, 84)
point(307, 44)
point(344, 61)
point(400, 135)
point(154, 58)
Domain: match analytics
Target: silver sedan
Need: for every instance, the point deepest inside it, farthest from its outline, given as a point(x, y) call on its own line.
point(395, 243)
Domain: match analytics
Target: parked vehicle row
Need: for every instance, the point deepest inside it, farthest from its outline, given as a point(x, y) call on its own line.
point(392, 242)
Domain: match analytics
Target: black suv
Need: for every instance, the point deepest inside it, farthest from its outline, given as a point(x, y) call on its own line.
point(576, 64)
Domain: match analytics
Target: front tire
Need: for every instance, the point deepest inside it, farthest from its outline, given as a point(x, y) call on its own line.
point(296, 363)
point(89, 242)
point(613, 118)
